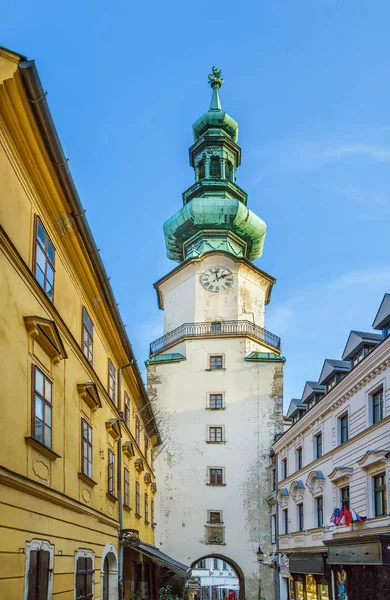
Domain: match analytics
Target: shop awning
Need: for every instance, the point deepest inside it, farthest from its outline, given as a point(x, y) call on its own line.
point(163, 559)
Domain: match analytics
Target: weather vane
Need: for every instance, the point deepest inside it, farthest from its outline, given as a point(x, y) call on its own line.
point(215, 78)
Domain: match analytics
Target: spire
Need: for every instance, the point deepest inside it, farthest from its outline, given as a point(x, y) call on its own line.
point(215, 82)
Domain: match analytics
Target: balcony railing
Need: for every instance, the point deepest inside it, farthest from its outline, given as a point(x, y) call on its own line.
point(220, 329)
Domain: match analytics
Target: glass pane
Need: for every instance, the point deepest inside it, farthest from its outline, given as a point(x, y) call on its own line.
point(47, 393)
point(48, 436)
point(38, 429)
point(38, 408)
point(48, 415)
point(85, 465)
point(41, 258)
point(39, 381)
point(89, 470)
point(50, 293)
point(50, 275)
point(50, 251)
point(40, 277)
point(41, 234)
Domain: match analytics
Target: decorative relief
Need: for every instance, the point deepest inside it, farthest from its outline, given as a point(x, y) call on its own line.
point(110, 510)
point(86, 495)
point(315, 482)
point(297, 491)
point(283, 497)
point(41, 470)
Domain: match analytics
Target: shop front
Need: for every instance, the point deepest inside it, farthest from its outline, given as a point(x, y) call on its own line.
point(360, 567)
point(309, 577)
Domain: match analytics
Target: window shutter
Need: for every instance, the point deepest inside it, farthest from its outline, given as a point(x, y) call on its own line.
point(43, 574)
point(80, 579)
point(89, 582)
point(33, 576)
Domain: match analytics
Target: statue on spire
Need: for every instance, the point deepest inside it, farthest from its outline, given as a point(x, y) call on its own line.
point(215, 79)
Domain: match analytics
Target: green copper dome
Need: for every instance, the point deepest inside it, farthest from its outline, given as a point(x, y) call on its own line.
point(214, 216)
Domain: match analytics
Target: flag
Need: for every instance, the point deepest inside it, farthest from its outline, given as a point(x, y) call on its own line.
point(356, 517)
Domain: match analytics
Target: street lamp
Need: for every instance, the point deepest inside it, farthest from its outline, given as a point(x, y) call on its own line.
point(260, 556)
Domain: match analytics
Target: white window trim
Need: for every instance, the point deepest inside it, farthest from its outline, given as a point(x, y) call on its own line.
point(208, 434)
point(39, 545)
point(370, 491)
point(380, 383)
point(316, 433)
point(337, 425)
point(81, 553)
point(300, 447)
point(214, 394)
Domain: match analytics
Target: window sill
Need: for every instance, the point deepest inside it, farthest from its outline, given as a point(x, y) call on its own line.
point(87, 479)
point(111, 497)
point(216, 484)
point(127, 507)
point(210, 442)
point(48, 452)
point(212, 370)
point(147, 522)
point(138, 516)
point(209, 408)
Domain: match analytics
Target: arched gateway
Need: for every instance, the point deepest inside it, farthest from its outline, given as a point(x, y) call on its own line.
point(220, 574)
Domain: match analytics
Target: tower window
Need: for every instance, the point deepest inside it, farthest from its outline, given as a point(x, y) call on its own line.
point(216, 361)
point(229, 170)
point(201, 170)
point(215, 401)
point(215, 167)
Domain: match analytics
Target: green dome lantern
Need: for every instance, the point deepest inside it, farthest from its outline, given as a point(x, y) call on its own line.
point(214, 216)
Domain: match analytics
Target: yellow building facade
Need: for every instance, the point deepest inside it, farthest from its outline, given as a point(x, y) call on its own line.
point(77, 427)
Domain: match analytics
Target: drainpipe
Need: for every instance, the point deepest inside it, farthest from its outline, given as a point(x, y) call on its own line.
point(119, 480)
point(277, 570)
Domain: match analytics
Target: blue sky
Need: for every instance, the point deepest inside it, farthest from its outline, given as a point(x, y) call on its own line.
point(309, 83)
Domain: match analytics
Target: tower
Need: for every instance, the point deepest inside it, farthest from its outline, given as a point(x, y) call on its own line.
point(216, 375)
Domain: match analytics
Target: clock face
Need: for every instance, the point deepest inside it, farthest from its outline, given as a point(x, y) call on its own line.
point(216, 279)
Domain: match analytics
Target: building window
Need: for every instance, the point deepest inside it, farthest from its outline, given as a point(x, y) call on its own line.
point(214, 516)
point(215, 563)
point(146, 508)
point(343, 428)
point(137, 430)
point(344, 497)
point(285, 520)
point(380, 500)
point(229, 171)
point(224, 565)
point(216, 362)
point(152, 510)
point(146, 446)
point(127, 411)
point(84, 578)
point(38, 575)
point(377, 406)
point(111, 473)
point(273, 529)
point(319, 503)
point(86, 448)
point(215, 476)
point(87, 336)
point(284, 468)
point(42, 407)
point(215, 434)
point(299, 458)
point(126, 480)
point(111, 381)
point(300, 517)
point(137, 499)
point(215, 167)
point(273, 478)
point(201, 169)
point(201, 564)
point(44, 260)
point(216, 327)
point(216, 401)
point(318, 446)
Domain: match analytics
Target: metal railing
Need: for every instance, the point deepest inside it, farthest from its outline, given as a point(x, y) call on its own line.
point(220, 329)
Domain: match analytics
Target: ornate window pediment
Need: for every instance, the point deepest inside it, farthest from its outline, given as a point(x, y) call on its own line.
point(147, 478)
point(139, 465)
point(297, 490)
point(113, 429)
point(46, 334)
point(153, 487)
point(283, 497)
point(89, 393)
point(340, 474)
point(128, 449)
point(374, 459)
point(315, 482)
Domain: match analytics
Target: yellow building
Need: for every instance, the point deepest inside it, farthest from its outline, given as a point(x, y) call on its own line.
point(77, 428)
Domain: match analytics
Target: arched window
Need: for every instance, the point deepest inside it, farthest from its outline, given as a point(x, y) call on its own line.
point(229, 171)
point(201, 170)
point(215, 167)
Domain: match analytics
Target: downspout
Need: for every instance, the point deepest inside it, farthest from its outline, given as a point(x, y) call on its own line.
point(277, 570)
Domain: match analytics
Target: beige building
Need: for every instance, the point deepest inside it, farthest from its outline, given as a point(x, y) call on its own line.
point(77, 486)
point(336, 455)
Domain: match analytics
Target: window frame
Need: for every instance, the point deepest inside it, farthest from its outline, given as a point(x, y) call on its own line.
point(316, 437)
point(137, 499)
point(319, 510)
point(382, 490)
point(84, 554)
point(344, 501)
point(284, 468)
point(381, 405)
point(212, 472)
point(111, 387)
point(46, 405)
point(146, 506)
point(126, 487)
point(37, 243)
point(218, 431)
point(127, 411)
point(299, 458)
point(85, 333)
point(89, 443)
point(137, 430)
point(216, 396)
point(210, 521)
point(215, 564)
point(111, 473)
point(215, 357)
point(285, 521)
point(301, 517)
point(340, 429)
point(38, 545)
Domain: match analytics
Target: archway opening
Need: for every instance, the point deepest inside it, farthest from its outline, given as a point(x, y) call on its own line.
point(109, 574)
point(216, 577)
